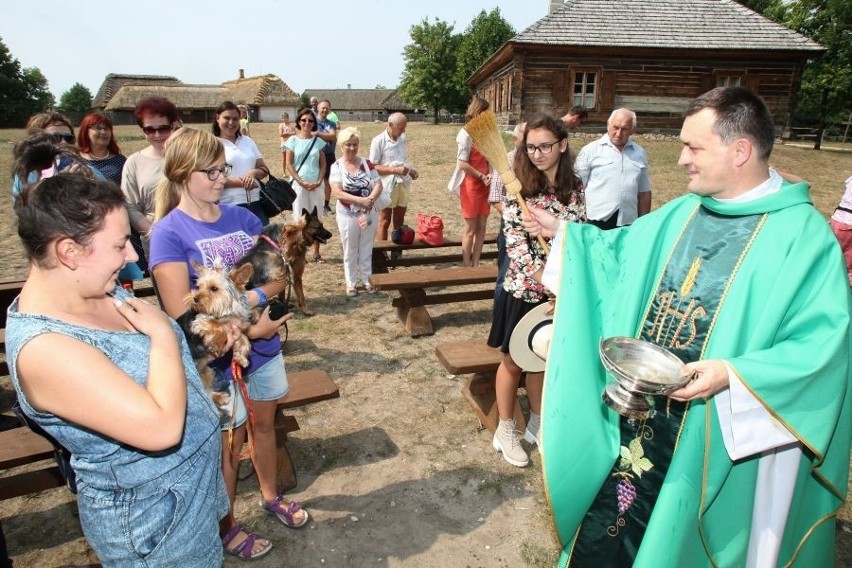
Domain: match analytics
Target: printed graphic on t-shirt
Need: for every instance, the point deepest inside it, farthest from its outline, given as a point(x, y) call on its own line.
point(229, 248)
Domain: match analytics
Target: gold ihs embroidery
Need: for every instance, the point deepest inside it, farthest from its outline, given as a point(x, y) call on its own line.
point(671, 322)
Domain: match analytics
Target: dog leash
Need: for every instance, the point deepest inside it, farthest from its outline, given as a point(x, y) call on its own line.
point(289, 270)
point(237, 372)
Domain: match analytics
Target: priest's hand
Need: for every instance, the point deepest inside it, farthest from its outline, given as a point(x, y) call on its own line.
point(540, 222)
point(711, 376)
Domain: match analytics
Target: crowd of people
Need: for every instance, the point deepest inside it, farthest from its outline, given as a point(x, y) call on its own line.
point(741, 279)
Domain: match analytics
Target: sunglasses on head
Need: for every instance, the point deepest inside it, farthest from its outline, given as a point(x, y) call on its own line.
point(59, 138)
point(149, 130)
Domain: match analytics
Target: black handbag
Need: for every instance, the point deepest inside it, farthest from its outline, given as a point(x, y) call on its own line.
point(276, 195)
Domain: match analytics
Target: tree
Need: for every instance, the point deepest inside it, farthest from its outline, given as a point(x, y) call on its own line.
point(76, 100)
point(23, 92)
point(430, 78)
point(826, 84)
point(483, 37)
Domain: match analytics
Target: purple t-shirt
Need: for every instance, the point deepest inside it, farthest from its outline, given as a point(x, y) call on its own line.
point(177, 237)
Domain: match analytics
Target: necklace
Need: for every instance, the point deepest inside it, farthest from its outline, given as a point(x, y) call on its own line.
point(104, 157)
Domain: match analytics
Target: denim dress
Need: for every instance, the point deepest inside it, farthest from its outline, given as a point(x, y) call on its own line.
point(137, 508)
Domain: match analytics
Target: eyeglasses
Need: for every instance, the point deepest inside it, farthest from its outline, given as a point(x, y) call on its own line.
point(60, 138)
point(149, 130)
point(307, 121)
point(544, 148)
point(214, 173)
point(101, 128)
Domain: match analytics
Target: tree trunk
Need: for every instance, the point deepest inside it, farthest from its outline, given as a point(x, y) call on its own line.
point(821, 127)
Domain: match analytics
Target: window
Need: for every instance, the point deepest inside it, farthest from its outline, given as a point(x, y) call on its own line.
point(728, 81)
point(585, 89)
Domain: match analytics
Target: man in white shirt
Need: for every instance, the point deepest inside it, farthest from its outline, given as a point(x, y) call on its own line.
point(614, 170)
point(389, 156)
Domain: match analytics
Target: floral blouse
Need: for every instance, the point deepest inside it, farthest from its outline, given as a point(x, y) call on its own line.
point(525, 254)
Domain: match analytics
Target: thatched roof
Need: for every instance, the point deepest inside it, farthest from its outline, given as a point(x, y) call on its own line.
point(115, 81)
point(360, 100)
point(185, 97)
point(263, 90)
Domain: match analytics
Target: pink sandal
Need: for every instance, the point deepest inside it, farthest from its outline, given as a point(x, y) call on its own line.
point(285, 513)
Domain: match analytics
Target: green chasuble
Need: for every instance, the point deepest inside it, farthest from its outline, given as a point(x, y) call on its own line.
point(779, 317)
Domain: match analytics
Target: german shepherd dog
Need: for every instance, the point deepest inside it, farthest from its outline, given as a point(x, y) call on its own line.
point(287, 257)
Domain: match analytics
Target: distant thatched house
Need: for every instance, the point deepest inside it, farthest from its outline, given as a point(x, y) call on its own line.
point(266, 96)
point(365, 104)
point(653, 56)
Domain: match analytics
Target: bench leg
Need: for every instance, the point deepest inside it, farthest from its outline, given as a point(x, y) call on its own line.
point(480, 393)
point(286, 476)
point(413, 314)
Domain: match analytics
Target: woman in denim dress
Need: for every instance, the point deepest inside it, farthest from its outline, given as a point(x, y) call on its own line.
point(111, 378)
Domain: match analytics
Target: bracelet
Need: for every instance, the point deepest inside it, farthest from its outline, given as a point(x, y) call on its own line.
point(262, 299)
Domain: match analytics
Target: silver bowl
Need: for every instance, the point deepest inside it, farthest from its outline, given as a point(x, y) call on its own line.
point(639, 369)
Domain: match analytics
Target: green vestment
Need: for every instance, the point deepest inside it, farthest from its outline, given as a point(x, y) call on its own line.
point(782, 325)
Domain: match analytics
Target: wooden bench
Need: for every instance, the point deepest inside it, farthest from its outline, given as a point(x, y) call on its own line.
point(412, 284)
point(384, 259)
point(476, 358)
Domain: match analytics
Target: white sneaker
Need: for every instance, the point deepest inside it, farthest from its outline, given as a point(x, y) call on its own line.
point(531, 433)
point(506, 441)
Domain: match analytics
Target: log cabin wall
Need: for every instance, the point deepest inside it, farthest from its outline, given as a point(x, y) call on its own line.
point(658, 86)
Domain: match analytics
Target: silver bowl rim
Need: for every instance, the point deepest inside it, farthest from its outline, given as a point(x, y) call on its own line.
point(633, 384)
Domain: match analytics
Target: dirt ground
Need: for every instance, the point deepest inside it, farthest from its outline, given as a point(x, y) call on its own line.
point(396, 472)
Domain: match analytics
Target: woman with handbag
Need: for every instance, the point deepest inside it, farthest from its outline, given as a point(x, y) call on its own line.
point(356, 185)
point(474, 188)
point(304, 161)
point(543, 166)
point(247, 167)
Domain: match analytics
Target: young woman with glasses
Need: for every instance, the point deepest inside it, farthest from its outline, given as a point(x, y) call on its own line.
point(241, 187)
point(157, 117)
point(194, 226)
point(304, 160)
point(543, 166)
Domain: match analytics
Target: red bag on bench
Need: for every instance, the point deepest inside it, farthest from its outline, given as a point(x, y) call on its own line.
point(430, 229)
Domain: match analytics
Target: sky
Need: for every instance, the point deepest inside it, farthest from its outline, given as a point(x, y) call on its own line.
point(332, 44)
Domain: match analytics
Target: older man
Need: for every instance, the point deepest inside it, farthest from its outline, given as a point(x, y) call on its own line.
point(747, 463)
point(614, 170)
point(327, 131)
point(574, 118)
point(389, 155)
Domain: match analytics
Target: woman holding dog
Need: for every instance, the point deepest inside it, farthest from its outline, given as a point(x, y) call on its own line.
point(304, 161)
point(82, 352)
point(192, 226)
point(247, 166)
point(356, 185)
point(543, 166)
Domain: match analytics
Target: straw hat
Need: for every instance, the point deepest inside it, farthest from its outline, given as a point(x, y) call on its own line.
point(530, 340)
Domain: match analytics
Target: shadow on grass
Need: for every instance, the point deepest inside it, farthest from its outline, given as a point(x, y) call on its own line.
point(36, 530)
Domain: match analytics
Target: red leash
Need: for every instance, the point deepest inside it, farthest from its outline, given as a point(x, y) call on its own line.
point(237, 371)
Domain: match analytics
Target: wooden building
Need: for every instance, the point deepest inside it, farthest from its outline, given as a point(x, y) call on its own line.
point(652, 56)
point(365, 104)
point(266, 96)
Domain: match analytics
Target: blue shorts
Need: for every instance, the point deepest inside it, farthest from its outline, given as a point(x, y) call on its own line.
point(269, 382)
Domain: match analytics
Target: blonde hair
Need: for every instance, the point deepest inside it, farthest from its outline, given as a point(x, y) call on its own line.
point(187, 150)
point(347, 133)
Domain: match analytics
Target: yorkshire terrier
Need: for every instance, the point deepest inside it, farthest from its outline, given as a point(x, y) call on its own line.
point(217, 304)
point(284, 258)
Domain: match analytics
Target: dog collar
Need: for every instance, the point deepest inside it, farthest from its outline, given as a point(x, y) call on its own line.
point(272, 243)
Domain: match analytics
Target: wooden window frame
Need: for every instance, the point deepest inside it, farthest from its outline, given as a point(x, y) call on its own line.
point(572, 97)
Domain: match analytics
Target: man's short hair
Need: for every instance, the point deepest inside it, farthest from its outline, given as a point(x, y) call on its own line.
point(580, 111)
point(625, 110)
point(397, 118)
point(739, 114)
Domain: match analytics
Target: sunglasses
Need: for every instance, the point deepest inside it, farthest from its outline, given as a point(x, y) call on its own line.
point(149, 130)
point(101, 128)
point(307, 121)
point(59, 138)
